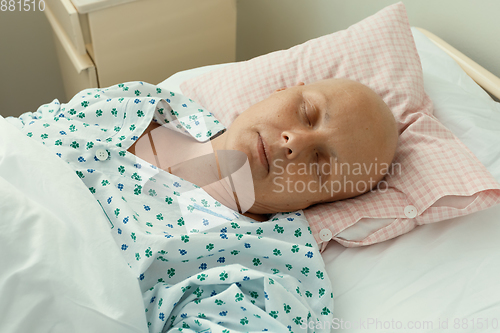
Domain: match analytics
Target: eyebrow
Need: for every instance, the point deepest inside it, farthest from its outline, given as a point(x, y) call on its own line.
point(326, 118)
point(333, 153)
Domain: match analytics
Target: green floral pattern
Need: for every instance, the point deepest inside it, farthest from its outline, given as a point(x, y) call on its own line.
point(201, 267)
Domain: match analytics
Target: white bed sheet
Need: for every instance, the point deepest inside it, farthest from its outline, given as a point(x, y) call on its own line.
point(439, 277)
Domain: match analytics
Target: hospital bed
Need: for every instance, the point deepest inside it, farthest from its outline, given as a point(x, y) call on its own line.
point(437, 277)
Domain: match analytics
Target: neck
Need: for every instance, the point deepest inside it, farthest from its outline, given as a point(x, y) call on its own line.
point(219, 142)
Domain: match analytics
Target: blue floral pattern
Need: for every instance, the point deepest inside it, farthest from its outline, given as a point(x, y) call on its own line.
point(200, 265)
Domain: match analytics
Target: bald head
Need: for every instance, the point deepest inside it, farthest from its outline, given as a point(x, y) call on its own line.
point(311, 143)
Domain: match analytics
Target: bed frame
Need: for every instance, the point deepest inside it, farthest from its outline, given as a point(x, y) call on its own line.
point(482, 76)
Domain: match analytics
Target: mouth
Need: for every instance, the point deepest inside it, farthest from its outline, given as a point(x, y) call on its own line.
point(261, 150)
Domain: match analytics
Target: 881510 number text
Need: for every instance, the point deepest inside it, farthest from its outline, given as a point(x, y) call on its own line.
point(22, 5)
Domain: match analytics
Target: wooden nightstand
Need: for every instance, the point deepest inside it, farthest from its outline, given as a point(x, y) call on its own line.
point(103, 42)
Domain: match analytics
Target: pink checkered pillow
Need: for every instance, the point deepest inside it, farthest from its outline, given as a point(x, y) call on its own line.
point(380, 53)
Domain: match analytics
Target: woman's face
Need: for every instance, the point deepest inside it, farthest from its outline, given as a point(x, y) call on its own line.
point(313, 143)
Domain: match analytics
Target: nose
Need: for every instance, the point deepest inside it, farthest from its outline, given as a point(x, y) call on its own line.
point(296, 143)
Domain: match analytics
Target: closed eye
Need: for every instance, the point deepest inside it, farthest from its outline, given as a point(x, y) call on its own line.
point(304, 112)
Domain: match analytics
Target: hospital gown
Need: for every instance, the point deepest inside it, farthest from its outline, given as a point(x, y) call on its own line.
point(201, 267)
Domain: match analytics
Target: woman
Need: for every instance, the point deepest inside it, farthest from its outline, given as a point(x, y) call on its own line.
point(199, 263)
point(299, 143)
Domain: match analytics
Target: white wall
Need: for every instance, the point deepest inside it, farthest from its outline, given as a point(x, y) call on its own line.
point(29, 71)
point(30, 76)
point(473, 27)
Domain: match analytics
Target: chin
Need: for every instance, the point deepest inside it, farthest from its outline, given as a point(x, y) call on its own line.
point(258, 217)
point(258, 208)
point(267, 210)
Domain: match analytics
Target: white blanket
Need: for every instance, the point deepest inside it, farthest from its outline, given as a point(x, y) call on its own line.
point(60, 269)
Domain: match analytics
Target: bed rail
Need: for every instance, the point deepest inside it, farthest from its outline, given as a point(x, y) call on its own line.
point(482, 76)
